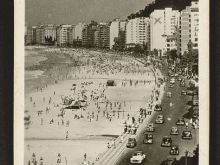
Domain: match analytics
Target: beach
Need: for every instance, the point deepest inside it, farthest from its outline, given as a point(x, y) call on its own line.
point(69, 108)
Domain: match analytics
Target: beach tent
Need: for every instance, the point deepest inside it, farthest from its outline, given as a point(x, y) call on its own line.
point(111, 83)
point(76, 105)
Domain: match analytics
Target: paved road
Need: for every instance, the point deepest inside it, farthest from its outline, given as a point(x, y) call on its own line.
point(155, 154)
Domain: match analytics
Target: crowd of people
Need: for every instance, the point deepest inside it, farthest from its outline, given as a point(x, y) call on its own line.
point(88, 99)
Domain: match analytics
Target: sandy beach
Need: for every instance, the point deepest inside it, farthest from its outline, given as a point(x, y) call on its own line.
point(80, 77)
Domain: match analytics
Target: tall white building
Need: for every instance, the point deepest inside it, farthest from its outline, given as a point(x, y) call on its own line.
point(63, 35)
point(137, 31)
point(163, 25)
point(189, 26)
point(78, 31)
point(115, 28)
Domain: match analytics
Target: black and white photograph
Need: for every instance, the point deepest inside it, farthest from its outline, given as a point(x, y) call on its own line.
point(114, 82)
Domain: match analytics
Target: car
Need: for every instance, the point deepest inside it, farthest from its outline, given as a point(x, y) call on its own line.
point(157, 107)
point(195, 102)
point(172, 81)
point(148, 138)
point(171, 85)
point(182, 84)
point(150, 127)
point(179, 79)
point(174, 131)
point(189, 92)
point(186, 135)
point(174, 150)
point(131, 143)
point(171, 75)
point(166, 141)
point(169, 161)
point(137, 157)
point(195, 115)
point(180, 122)
point(169, 94)
point(159, 119)
point(183, 92)
point(196, 91)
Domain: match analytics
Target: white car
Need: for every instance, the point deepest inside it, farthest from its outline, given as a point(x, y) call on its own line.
point(137, 157)
point(150, 127)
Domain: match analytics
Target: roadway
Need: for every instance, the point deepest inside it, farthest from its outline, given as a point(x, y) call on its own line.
point(155, 154)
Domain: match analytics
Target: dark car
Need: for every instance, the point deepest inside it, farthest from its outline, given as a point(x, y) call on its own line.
point(159, 119)
point(186, 135)
point(111, 83)
point(169, 161)
point(174, 131)
point(148, 138)
point(180, 122)
point(131, 143)
point(166, 141)
point(157, 107)
point(174, 150)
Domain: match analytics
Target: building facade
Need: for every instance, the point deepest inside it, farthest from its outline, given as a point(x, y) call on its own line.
point(117, 31)
point(63, 35)
point(102, 36)
point(189, 26)
point(88, 34)
point(30, 35)
point(137, 31)
point(164, 23)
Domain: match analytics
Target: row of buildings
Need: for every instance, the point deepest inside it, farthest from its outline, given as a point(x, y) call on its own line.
point(164, 30)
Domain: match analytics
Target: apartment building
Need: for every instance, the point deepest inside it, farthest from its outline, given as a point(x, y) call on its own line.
point(102, 35)
point(189, 26)
point(164, 24)
point(64, 35)
point(88, 34)
point(137, 31)
point(117, 32)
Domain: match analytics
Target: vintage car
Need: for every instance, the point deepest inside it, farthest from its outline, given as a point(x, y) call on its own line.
point(150, 127)
point(169, 161)
point(111, 83)
point(180, 122)
point(186, 135)
point(195, 100)
point(148, 138)
point(171, 85)
point(131, 143)
point(172, 81)
point(174, 150)
point(189, 92)
point(157, 107)
point(137, 157)
point(182, 84)
point(183, 92)
point(169, 94)
point(166, 141)
point(174, 131)
point(195, 113)
point(159, 119)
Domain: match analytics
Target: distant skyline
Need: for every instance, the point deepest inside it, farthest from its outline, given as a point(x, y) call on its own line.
point(74, 11)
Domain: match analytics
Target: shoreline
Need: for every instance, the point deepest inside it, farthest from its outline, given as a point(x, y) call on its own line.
point(66, 83)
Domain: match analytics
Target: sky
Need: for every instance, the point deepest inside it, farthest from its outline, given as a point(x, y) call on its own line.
point(74, 11)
